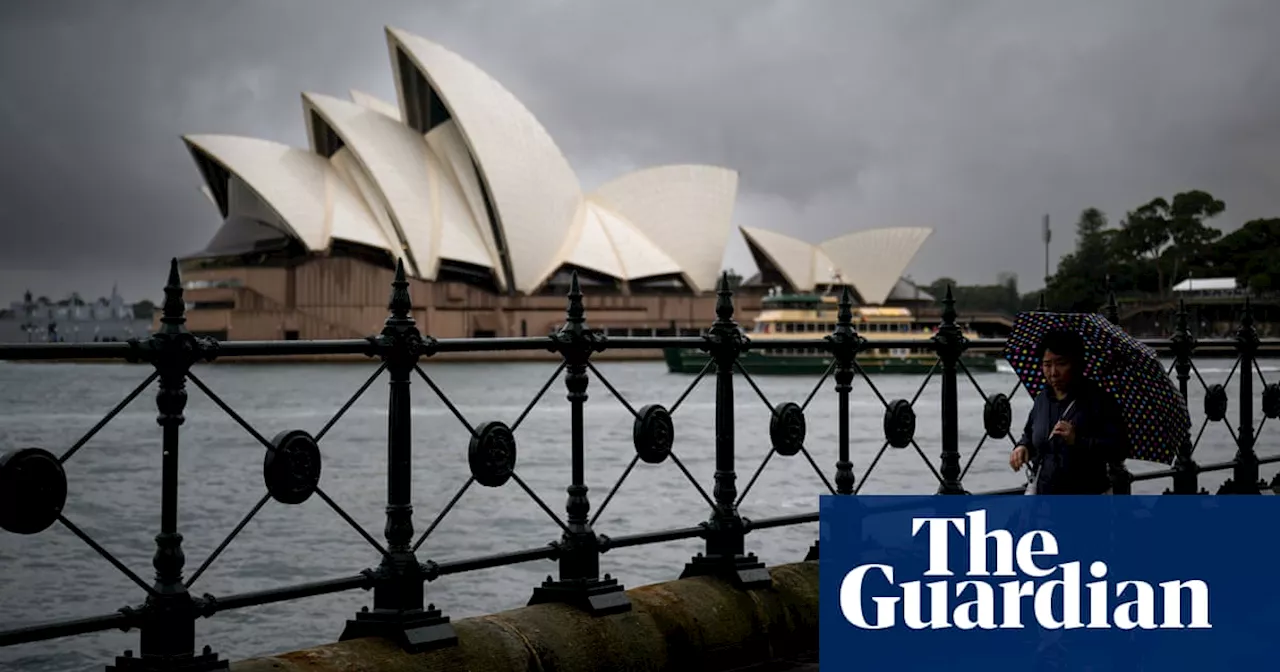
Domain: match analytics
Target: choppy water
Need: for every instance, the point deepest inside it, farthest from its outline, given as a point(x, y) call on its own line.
point(115, 485)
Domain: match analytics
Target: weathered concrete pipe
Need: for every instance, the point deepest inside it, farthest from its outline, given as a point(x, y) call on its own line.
point(698, 623)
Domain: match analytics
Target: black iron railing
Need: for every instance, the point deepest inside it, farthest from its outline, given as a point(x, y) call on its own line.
point(33, 485)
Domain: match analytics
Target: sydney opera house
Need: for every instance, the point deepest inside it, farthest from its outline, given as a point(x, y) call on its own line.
point(462, 183)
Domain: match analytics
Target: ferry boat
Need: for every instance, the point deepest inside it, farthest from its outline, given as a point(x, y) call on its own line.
point(790, 316)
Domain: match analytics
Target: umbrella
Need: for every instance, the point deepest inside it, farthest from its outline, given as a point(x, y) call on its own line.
point(1155, 413)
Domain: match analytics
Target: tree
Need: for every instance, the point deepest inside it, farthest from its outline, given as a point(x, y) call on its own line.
point(1250, 254)
point(144, 310)
point(1080, 281)
point(1170, 236)
point(938, 288)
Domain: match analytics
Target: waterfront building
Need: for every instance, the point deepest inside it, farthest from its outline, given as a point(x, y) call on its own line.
point(72, 319)
point(459, 181)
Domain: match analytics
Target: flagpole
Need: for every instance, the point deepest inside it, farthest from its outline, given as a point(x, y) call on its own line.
point(1047, 236)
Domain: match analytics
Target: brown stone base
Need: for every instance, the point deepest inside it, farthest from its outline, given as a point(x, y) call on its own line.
point(698, 623)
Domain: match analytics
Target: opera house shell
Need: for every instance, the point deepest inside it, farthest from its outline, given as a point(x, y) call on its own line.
point(460, 182)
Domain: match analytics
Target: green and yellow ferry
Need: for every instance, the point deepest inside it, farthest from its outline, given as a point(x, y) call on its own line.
point(790, 316)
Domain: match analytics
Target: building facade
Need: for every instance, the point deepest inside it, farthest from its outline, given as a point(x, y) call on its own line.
point(462, 184)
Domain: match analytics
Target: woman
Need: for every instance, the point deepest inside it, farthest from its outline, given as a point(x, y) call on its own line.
point(1075, 428)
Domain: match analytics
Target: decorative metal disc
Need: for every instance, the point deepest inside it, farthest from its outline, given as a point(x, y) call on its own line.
point(1215, 402)
point(997, 416)
point(787, 429)
point(33, 490)
point(1271, 401)
point(292, 470)
point(653, 434)
point(492, 455)
point(899, 423)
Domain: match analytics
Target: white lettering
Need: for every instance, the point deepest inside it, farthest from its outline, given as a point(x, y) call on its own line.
point(1146, 611)
point(1057, 603)
point(978, 536)
point(1098, 595)
point(1070, 585)
point(979, 612)
point(937, 606)
point(938, 564)
point(1014, 591)
point(1027, 553)
point(1173, 604)
point(851, 598)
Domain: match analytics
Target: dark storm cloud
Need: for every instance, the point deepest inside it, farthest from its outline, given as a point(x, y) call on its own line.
point(975, 118)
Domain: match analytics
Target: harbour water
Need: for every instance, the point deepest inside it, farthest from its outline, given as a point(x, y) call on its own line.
point(114, 484)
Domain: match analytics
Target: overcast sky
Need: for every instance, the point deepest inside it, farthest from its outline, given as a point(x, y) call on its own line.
point(975, 118)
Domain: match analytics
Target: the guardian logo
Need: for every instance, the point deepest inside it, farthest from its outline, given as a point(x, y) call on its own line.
point(990, 605)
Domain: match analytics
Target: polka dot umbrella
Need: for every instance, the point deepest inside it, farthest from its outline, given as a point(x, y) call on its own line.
point(1156, 416)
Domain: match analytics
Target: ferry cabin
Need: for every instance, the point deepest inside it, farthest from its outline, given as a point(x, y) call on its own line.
point(816, 316)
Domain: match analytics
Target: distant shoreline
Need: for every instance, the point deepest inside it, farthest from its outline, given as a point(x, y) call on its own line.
point(508, 357)
point(452, 357)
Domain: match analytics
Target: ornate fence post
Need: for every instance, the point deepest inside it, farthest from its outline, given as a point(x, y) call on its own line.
point(1244, 481)
point(580, 584)
point(845, 344)
point(398, 590)
point(167, 638)
point(950, 343)
point(726, 531)
point(1121, 477)
point(1113, 310)
point(1184, 344)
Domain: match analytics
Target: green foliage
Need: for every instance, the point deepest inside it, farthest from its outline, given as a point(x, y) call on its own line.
point(1157, 245)
point(1000, 297)
point(1081, 280)
point(1170, 236)
point(144, 309)
point(1251, 254)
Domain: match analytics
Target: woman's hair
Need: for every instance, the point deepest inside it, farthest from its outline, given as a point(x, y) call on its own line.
point(1063, 343)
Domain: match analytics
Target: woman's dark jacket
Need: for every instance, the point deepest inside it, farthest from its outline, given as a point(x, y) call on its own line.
point(1101, 439)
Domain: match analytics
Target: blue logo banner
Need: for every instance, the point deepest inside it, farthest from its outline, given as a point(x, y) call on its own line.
point(1099, 583)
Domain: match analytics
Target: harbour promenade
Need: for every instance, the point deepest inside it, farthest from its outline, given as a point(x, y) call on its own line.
point(726, 608)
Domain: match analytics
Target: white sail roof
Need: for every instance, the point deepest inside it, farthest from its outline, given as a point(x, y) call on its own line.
point(872, 260)
point(458, 172)
point(303, 192)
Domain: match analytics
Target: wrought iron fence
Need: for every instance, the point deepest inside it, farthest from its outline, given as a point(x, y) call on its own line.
point(33, 484)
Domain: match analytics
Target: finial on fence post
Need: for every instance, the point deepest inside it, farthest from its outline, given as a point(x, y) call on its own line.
point(1185, 478)
point(579, 583)
point(1244, 480)
point(576, 313)
point(950, 344)
point(1113, 310)
point(401, 304)
point(726, 555)
point(174, 311)
point(846, 344)
point(398, 612)
point(168, 617)
point(724, 302)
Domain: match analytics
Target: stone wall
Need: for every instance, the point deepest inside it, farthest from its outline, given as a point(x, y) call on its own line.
point(698, 623)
